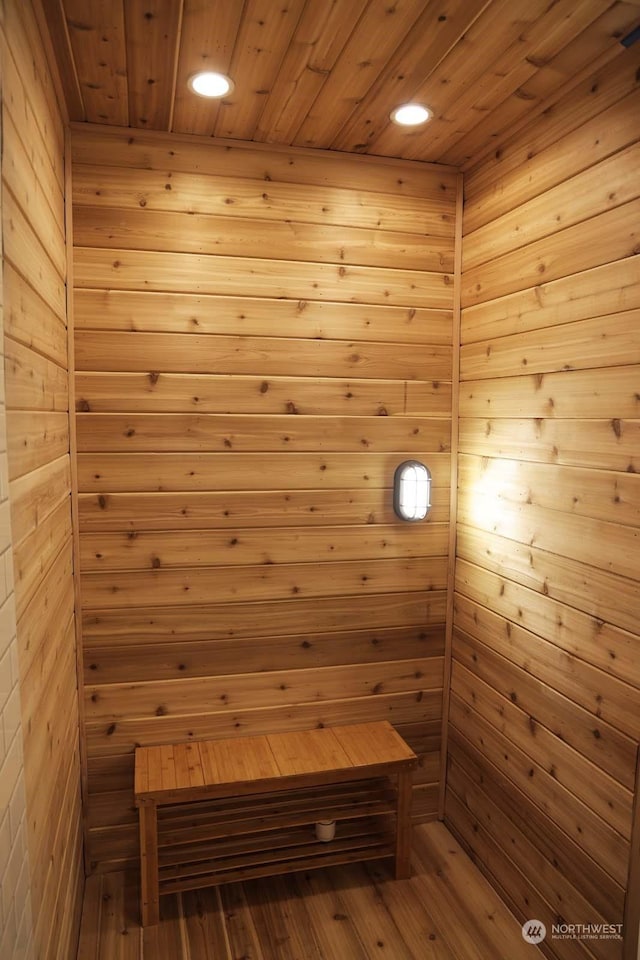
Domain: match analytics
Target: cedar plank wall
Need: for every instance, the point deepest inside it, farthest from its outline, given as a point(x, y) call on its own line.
point(262, 335)
point(16, 930)
point(545, 708)
point(35, 347)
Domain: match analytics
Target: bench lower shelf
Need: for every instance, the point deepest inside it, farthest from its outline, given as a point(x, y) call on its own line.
point(199, 821)
point(274, 852)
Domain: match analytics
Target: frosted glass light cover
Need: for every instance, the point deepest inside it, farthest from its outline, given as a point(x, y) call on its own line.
point(209, 84)
point(412, 490)
point(410, 115)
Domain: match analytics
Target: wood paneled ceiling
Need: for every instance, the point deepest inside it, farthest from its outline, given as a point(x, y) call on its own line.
point(327, 73)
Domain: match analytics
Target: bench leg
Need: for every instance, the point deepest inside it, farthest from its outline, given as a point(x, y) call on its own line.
point(149, 863)
point(403, 826)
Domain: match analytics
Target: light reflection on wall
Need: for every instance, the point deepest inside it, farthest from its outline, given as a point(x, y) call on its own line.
point(482, 502)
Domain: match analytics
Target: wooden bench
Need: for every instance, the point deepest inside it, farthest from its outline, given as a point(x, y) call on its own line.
point(214, 811)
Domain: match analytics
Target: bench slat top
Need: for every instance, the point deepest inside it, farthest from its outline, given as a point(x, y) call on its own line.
point(163, 770)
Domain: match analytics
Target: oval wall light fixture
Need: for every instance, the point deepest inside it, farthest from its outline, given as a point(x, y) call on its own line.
point(208, 84)
point(412, 490)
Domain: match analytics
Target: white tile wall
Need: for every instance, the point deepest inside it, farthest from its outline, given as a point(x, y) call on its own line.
point(16, 928)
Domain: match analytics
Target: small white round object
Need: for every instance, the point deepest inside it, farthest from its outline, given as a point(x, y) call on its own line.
point(410, 114)
point(209, 84)
point(325, 830)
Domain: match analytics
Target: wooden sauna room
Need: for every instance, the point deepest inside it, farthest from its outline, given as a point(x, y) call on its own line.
point(320, 480)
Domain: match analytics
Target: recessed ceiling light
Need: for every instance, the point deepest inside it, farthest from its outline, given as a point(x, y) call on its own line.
point(410, 114)
point(209, 84)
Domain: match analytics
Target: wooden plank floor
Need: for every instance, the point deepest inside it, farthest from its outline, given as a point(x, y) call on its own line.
point(446, 911)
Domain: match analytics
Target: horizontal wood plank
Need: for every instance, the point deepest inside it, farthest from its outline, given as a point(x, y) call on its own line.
point(34, 442)
point(599, 444)
point(570, 629)
point(569, 767)
point(513, 885)
point(568, 394)
point(239, 509)
point(155, 550)
point(599, 137)
point(109, 268)
point(236, 433)
point(25, 98)
point(595, 592)
point(602, 186)
point(233, 197)
point(34, 382)
point(262, 618)
point(601, 693)
point(604, 238)
point(599, 840)
point(600, 291)
point(23, 249)
point(115, 701)
point(36, 495)
point(30, 321)
point(577, 106)
point(215, 393)
point(574, 346)
point(35, 554)
point(157, 353)
point(127, 660)
point(210, 234)
point(561, 717)
point(609, 547)
point(148, 149)
point(601, 494)
point(153, 312)
point(42, 203)
point(131, 472)
point(275, 581)
point(107, 739)
point(533, 824)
